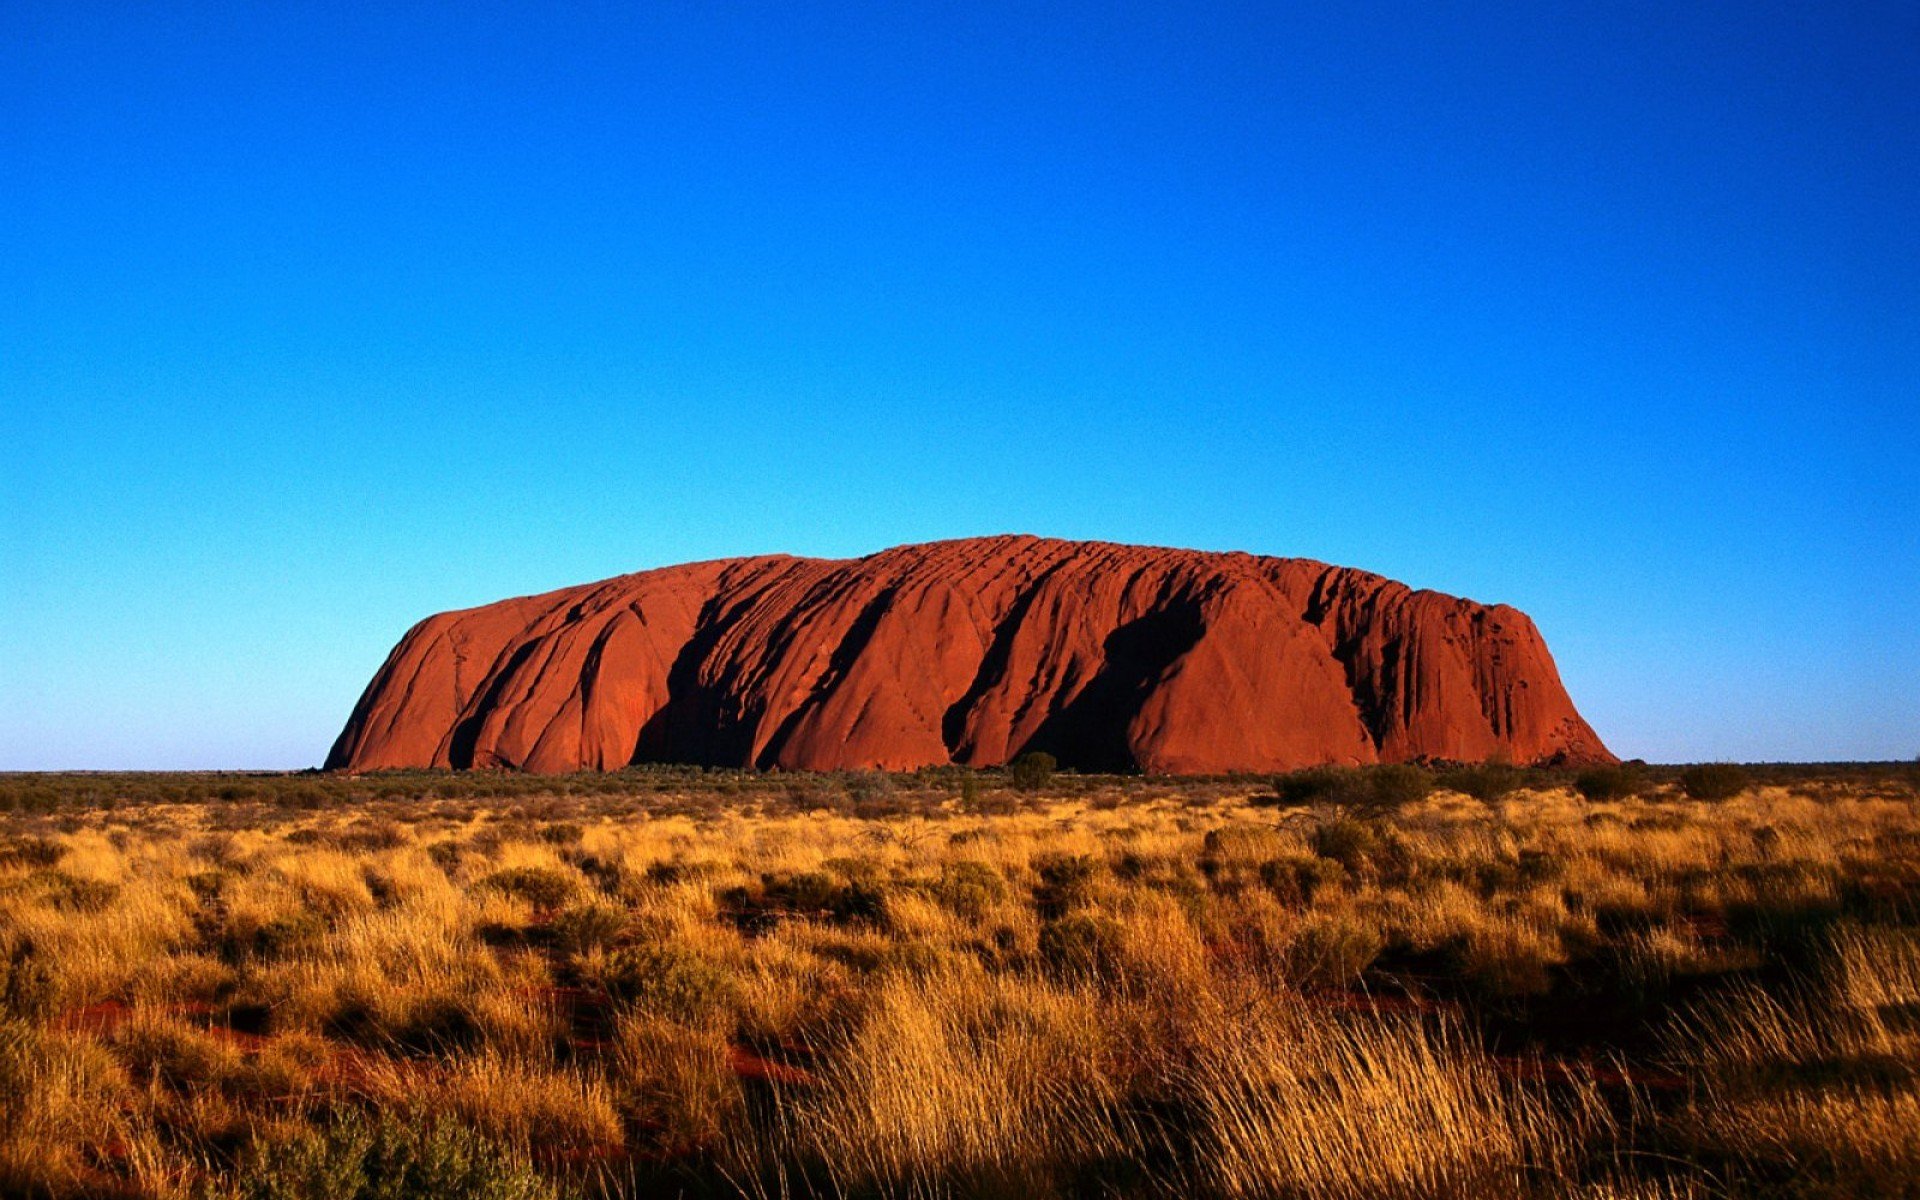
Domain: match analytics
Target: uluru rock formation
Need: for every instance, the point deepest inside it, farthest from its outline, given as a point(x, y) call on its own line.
point(1111, 658)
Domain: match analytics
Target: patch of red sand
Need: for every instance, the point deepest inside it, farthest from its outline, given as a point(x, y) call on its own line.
point(748, 1065)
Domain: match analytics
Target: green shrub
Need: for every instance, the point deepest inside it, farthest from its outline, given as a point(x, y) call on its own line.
point(1241, 842)
point(70, 893)
point(970, 889)
point(1065, 870)
point(209, 885)
point(1485, 782)
point(804, 794)
point(171, 1055)
point(605, 872)
point(1347, 841)
point(27, 984)
point(1298, 880)
point(1714, 781)
point(1500, 965)
point(1539, 865)
point(542, 887)
point(562, 833)
point(275, 938)
point(1066, 881)
point(1315, 785)
point(855, 868)
point(1081, 944)
point(673, 982)
point(367, 834)
point(590, 926)
point(30, 852)
point(664, 873)
point(869, 789)
point(1395, 785)
point(435, 1024)
point(22, 1070)
point(1332, 950)
point(1387, 786)
point(418, 1025)
point(1032, 771)
point(862, 902)
point(1607, 783)
point(358, 1158)
point(805, 893)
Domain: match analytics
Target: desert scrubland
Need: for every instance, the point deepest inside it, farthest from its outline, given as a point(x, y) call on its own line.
point(1395, 983)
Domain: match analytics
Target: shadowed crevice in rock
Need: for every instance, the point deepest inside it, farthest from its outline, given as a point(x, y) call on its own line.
point(698, 724)
point(466, 734)
point(590, 666)
point(844, 656)
point(1091, 731)
point(1371, 670)
point(993, 667)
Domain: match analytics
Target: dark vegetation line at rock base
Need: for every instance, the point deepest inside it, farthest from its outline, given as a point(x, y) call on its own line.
point(48, 791)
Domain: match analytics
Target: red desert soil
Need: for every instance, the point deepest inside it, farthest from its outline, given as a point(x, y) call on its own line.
point(1111, 658)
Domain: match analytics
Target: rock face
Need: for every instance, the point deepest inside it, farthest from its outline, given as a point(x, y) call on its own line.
point(1109, 657)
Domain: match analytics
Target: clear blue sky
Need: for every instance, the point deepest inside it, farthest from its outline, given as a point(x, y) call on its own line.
point(313, 322)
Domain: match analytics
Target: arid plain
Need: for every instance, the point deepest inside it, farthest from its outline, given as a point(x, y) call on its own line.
point(1610, 982)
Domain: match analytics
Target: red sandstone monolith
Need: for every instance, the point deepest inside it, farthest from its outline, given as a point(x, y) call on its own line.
point(1109, 657)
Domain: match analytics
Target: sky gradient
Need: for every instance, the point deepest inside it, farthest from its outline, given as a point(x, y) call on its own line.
point(315, 322)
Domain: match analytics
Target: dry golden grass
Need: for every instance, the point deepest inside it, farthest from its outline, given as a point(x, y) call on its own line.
point(1116, 988)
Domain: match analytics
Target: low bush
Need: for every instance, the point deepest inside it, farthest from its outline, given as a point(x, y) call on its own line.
point(1485, 782)
point(171, 1055)
point(1396, 785)
point(1081, 944)
point(804, 894)
point(1332, 950)
point(1607, 783)
point(1032, 771)
point(970, 889)
point(1297, 881)
point(1066, 882)
point(70, 893)
point(867, 790)
point(364, 835)
point(605, 872)
point(28, 987)
point(673, 982)
point(413, 1025)
point(1316, 785)
point(1384, 787)
point(542, 887)
point(275, 937)
point(1714, 781)
point(30, 851)
point(1509, 960)
point(562, 833)
point(590, 926)
point(360, 1158)
point(977, 800)
point(1346, 840)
